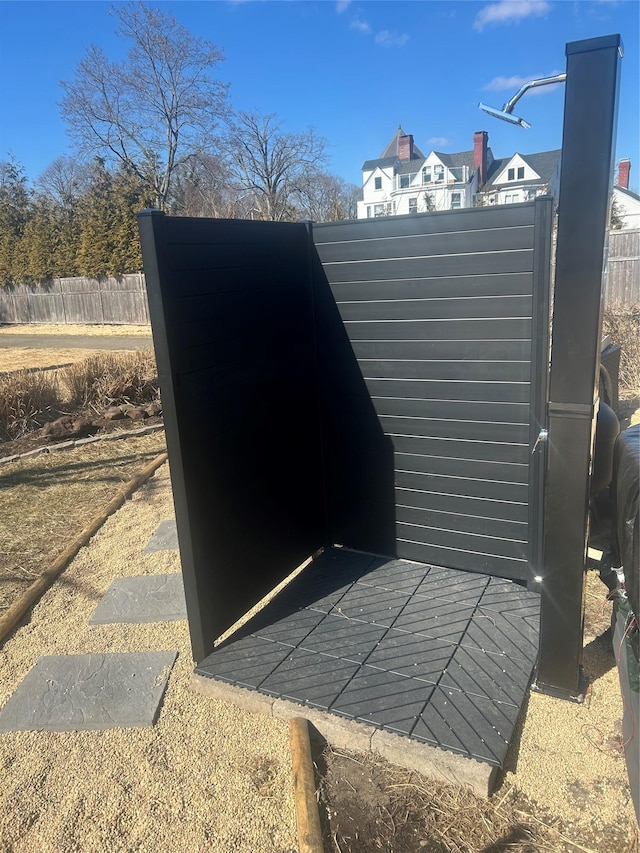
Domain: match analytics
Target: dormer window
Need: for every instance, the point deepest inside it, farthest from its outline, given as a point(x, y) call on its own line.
point(404, 181)
point(426, 175)
point(377, 183)
point(515, 174)
point(438, 174)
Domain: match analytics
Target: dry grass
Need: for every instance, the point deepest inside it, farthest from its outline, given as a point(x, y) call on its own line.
point(73, 330)
point(622, 323)
point(28, 358)
point(111, 379)
point(28, 399)
point(369, 804)
point(25, 397)
point(46, 501)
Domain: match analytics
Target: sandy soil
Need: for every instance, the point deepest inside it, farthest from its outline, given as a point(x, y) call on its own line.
point(569, 758)
point(210, 776)
point(206, 777)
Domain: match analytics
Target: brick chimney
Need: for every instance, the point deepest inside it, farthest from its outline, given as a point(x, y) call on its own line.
point(480, 143)
point(405, 147)
point(624, 167)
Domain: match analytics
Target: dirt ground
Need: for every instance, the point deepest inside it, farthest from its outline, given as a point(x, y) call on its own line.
point(210, 776)
point(207, 777)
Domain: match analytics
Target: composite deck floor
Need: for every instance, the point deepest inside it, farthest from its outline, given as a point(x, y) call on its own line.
point(440, 656)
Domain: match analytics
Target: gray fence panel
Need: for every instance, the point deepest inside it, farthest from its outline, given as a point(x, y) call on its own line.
point(45, 307)
point(83, 308)
point(623, 267)
point(125, 307)
point(77, 300)
point(449, 369)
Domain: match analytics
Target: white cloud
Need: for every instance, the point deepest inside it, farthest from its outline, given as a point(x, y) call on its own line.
point(342, 6)
point(360, 25)
point(513, 83)
point(510, 11)
point(440, 141)
point(499, 84)
point(391, 39)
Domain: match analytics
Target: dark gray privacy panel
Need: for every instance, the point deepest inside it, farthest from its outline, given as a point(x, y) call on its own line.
point(231, 312)
point(428, 436)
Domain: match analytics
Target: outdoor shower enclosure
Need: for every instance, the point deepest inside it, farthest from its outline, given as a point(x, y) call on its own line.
point(383, 385)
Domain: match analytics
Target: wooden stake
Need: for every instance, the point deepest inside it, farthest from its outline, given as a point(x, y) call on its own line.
point(304, 788)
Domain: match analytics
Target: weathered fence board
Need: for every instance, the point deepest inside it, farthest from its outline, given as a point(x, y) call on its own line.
point(114, 301)
point(623, 268)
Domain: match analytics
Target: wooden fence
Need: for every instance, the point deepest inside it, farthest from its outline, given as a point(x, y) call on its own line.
point(119, 301)
point(111, 301)
point(623, 275)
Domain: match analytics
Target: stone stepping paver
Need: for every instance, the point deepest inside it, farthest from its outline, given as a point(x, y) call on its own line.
point(164, 539)
point(64, 693)
point(145, 598)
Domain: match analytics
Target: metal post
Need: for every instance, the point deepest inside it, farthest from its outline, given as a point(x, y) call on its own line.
point(586, 179)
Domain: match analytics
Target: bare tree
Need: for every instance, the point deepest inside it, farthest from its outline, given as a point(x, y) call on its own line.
point(64, 181)
point(204, 187)
point(157, 108)
point(272, 165)
point(328, 198)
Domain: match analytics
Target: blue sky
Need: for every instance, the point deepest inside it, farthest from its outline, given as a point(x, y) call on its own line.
point(354, 70)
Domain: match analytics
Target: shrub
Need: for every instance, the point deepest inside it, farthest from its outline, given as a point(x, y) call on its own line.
point(622, 323)
point(110, 379)
point(25, 398)
point(29, 398)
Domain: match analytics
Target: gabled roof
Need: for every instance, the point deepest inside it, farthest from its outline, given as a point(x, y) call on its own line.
point(390, 155)
point(627, 192)
point(542, 163)
point(380, 162)
point(454, 161)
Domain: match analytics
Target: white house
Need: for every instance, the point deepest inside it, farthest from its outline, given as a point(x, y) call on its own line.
point(521, 177)
point(627, 202)
point(403, 180)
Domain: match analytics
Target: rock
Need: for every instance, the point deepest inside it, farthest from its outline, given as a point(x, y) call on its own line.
point(68, 426)
point(113, 414)
point(136, 413)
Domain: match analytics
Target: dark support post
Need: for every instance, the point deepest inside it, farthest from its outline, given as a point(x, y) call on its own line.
point(585, 188)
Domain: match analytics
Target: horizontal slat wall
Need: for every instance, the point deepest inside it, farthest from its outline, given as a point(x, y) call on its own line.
point(231, 311)
point(440, 316)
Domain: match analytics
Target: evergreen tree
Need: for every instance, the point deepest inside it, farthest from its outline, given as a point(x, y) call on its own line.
point(35, 260)
point(15, 211)
point(95, 210)
point(129, 195)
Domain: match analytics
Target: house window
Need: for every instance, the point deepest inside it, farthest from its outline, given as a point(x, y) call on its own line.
point(404, 182)
point(377, 183)
point(378, 209)
point(511, 174)
point(520, 173)
point(426, 175)
point(438, 174)
point(413, 205)
point(368, 211)
point(512, 198)
point(456, 201)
